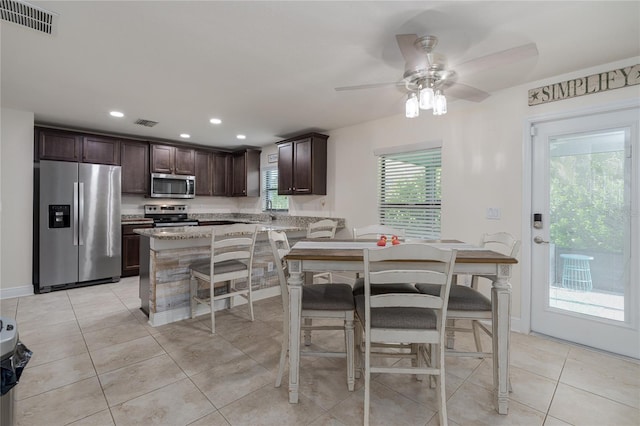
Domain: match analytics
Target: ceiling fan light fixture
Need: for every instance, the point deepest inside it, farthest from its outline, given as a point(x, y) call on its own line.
point(412, 106)
point(439, 103)
point(426, 98)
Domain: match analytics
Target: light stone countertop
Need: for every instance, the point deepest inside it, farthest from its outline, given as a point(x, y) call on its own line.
point(193, 232)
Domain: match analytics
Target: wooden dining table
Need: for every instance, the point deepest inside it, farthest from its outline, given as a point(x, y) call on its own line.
point(347, 256)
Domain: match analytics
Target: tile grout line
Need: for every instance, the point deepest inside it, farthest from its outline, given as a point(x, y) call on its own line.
point(104, 395)
point(546, 415)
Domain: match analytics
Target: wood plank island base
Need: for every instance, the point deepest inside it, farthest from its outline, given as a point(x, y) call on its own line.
point(165, 256)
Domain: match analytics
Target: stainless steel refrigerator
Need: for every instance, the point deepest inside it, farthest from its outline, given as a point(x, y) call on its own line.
point(77, 234)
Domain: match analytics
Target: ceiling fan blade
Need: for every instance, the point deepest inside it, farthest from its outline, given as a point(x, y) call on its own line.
point(498, 59)
point(468, 93)
point(412, 56)
point(369, 86)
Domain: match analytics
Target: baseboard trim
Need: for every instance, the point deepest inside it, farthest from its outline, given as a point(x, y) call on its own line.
point(13, 292)
point(179, 314)
point(516, 325)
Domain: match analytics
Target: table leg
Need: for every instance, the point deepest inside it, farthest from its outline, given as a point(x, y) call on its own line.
point(501, 324)
point(295, 310)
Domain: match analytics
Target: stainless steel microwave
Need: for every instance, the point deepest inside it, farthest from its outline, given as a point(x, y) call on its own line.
point(172, 186)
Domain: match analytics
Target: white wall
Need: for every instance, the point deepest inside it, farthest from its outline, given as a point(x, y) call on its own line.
point(482, 159)
point(16, 196)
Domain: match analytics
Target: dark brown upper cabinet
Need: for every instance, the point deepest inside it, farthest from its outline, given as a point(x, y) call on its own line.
point(302, 165)
point(134, 157)
point(204, 167)
point(62, 145)
point(172, 160)
point(246, 173)
point(221, 185)
point(59, 145)
point(100, 150)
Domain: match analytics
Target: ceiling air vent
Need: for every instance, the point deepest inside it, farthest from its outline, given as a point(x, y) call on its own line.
point(27, 15)
point(146, 123)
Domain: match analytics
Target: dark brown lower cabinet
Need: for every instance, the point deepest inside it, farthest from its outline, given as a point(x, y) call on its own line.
point(131, 250)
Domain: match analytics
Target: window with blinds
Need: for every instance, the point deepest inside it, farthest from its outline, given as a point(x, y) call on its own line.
point(409, 192)
point(270, 198)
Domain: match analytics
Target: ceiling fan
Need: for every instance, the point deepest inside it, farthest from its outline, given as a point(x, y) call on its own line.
point(426, 75)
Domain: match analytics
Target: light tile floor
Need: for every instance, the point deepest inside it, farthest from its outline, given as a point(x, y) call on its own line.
point(97, 362)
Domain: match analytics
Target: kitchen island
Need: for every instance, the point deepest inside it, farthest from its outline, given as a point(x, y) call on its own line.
point(165, 256)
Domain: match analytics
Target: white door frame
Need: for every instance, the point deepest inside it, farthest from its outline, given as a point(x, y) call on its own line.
point(527, 173)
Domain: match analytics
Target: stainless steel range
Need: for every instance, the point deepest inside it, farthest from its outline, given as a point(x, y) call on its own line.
point(166, 215)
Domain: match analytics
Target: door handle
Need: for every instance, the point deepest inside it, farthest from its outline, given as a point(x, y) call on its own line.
point(538, 240)
point(81, 214)
point(75, 213)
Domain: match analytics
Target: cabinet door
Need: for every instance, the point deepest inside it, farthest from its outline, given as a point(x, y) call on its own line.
point(252, 171)
point(131, 250)
point(285, 169)
point(134, 157)
point(162, 159)
point(203, 173)
point(239, 169)
point(185, 163)
point(302, 167)
point(59, 145)
point(101, 150)
point(221, 171)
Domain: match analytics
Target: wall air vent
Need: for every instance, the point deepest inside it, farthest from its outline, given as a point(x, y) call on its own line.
point(27, 15)
point(146, 123)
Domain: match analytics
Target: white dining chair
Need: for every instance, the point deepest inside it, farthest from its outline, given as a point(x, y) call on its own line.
point(405, 325)
point(375, 231)
point(319, 301)
point(230, 260)
point(468, 303)
point(325, 228)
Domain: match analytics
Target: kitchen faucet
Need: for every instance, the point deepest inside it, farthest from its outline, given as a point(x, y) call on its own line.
point(270, 210)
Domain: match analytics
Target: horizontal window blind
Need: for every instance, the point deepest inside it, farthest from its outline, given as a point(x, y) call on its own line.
point(409, 192)
point(271, 200)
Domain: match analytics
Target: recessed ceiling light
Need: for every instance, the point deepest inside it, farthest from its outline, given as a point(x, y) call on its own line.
point(241, 136)
point(215, 121)
point(185, 135)
point(116, 114)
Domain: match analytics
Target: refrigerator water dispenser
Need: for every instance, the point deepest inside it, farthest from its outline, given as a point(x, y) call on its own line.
point(59, 216)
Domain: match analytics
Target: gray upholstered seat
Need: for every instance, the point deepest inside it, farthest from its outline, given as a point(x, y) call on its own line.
point(204, 266)
point(358, 288)
point(461, 298)
point(402, 318)
point(327, 297)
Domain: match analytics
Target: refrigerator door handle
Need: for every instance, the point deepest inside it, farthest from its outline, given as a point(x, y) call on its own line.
point(81, 214)
point(75, 213)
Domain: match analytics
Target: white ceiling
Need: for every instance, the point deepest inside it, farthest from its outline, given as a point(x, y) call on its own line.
point(269, 69)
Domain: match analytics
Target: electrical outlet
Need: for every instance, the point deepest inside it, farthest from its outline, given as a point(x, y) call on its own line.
point(270, 267)
point(493, 213)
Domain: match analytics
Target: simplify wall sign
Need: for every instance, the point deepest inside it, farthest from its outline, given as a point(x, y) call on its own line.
point(601, 82)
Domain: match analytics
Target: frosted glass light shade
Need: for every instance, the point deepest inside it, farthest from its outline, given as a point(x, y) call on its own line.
point(412, 107)
point(439, 103)
point(426, 98)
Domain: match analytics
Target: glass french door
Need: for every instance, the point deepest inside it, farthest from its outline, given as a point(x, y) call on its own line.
point(585, 258)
